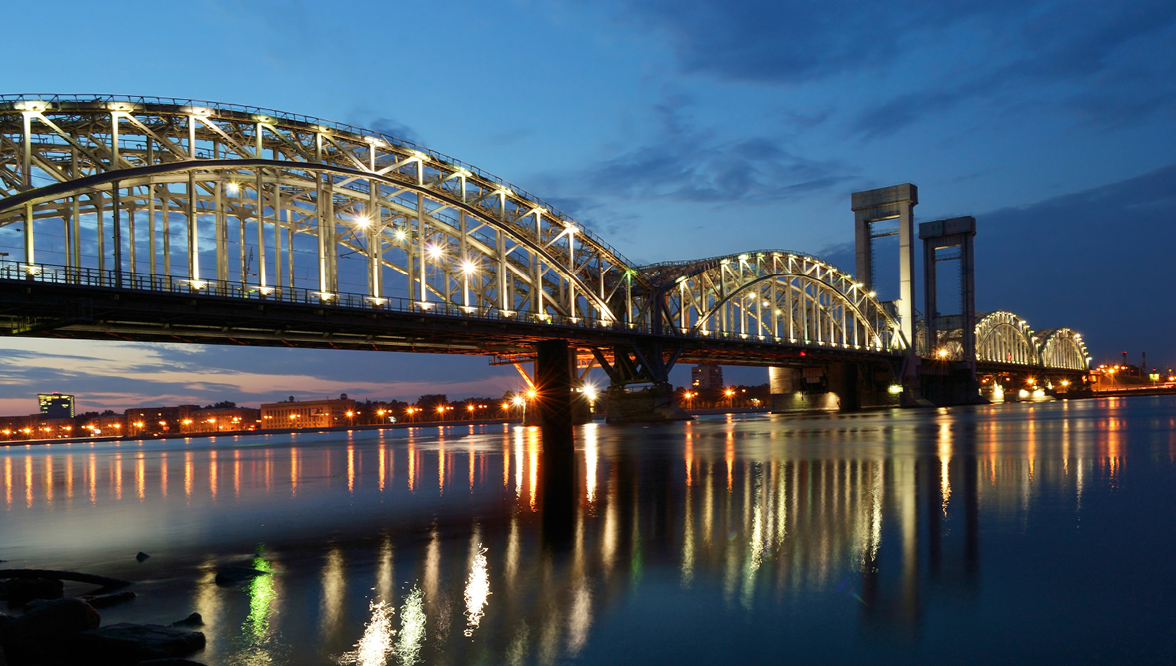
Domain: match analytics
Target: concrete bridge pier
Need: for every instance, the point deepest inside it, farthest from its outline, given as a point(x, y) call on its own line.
point(553, 392)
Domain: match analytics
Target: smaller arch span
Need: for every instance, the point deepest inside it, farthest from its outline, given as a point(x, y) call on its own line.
point(1063, 348)
point(779, 295)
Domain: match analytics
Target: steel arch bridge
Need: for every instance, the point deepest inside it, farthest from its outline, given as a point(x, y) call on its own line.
point(1005, 338)
point(155, 219)
point(197, 198)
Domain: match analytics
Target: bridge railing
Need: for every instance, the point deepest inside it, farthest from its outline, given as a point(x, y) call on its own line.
point(173, 284)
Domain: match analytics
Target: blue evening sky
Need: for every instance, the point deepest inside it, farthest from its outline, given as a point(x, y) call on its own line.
point(677, 130)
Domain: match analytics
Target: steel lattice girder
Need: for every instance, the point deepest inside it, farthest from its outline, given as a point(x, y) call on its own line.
point(771, 295)
point(1003, 337)
point(453, 233)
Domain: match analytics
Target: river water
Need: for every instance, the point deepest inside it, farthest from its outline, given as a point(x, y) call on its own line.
point(1022, 533)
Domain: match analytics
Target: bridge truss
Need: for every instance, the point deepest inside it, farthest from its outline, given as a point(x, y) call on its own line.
point(210, 200)
point(1004, 338)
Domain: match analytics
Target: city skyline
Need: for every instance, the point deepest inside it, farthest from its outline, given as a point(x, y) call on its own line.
point(1051, 127)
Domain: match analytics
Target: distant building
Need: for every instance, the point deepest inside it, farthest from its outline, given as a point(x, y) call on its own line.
point(306, 414)
point(18, 427)
point(703, 377)
point(222, 420)
point(104, 426)
point(158, 420)
point(56, 405)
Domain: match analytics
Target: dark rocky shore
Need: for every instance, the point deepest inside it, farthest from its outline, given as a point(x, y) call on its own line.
point(51, 630)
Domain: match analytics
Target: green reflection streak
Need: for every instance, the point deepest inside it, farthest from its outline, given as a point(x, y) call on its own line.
point(261, 598)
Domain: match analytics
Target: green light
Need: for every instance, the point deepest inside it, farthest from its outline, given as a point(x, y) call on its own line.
point(261, 600)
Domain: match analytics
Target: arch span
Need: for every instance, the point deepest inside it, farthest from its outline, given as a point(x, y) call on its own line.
point(1063, 349)
point(777, 295)
point(1003, 337)
point(209, 195)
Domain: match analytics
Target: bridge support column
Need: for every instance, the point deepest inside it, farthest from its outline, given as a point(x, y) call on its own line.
point(553, 388)
point(949, 376)
point(888, 203)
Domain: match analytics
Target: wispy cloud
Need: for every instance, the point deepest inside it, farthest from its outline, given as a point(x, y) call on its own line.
point(681, 162)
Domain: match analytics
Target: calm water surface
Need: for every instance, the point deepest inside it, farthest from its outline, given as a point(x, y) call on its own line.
point(1004, 534)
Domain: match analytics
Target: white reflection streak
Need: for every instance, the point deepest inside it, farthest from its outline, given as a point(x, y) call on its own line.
point(512, 550)
point(477, 590)
point(376, 644)
point(412, 628)
point(580, 619)
point(384, 573)
point(688, 541)
point(876, 512)
point(334, 587)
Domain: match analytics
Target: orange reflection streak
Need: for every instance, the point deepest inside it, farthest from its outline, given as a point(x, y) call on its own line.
point(689, 459)
point(48, 480)
point(141, 476)
point(411, 463)
point(212, 473)
point(29, 481)
point(533, 453)
point(269, 470)
point(381, 466)
point(505, 461)
point(350, 468)
point(1031, 449)
point(236, 472)
point(163, 474)
point(293, 471)
point(729, 454)
point(591, 460)
point(1114, 453)
point(440, 466)
point(8, 481)
point(944, 464)
point(118, 476)
point(188, 474)
point(471, 455)
point(69, 476)
point(93, 479)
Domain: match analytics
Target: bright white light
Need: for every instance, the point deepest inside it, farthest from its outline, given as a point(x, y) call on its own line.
point(362, 221)
point(376, 644)
point(232, 188)
point(468, 267)
point(400, 235)
point(590, 392)
point(434, 251)
point(476, 592)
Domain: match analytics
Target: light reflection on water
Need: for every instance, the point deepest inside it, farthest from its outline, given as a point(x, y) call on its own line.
point(900, 537)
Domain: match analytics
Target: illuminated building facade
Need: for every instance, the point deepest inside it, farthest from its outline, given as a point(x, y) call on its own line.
point(56, 405)
point(307, 414)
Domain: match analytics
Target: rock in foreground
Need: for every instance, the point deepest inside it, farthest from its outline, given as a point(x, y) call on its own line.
point(132, 643)
point(44, 628)
point(21, 591)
